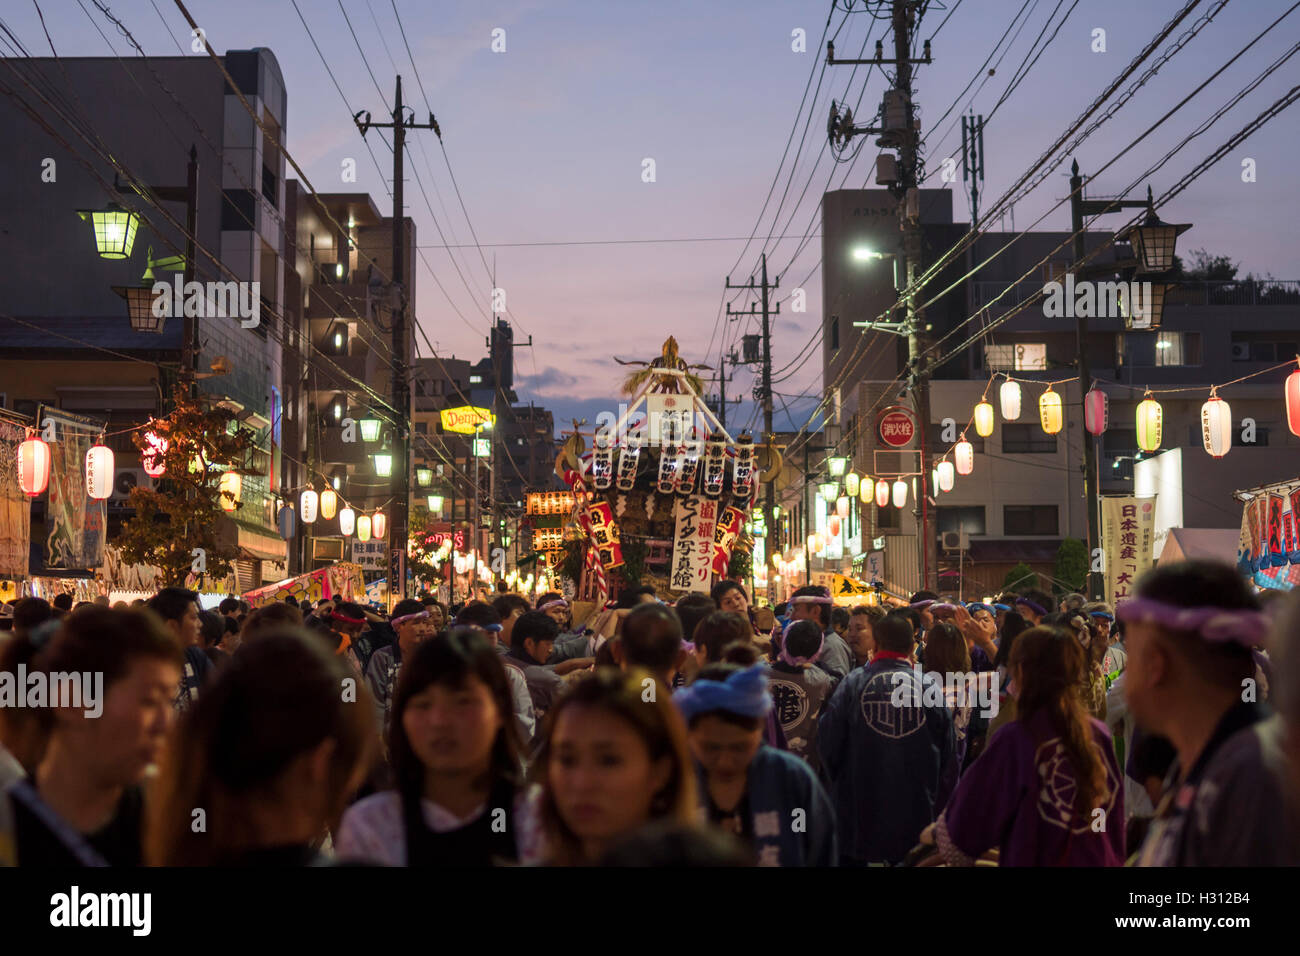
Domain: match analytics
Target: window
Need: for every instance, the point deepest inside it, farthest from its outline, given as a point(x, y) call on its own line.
point(1025, 439)
point(967, 518)
point(237, 210)
point(1029, 519)
point(422, 428)
point(476, 379)
point(269, 183)
point(1261, 347)
point(1162, 350)
point(1021, 357)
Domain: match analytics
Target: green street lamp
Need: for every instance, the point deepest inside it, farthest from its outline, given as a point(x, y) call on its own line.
point(830, 490)
point(369, 429)
point(115, 230)
point(384, 465)
point(435, 503)
point(837, 466)
point(424, 476)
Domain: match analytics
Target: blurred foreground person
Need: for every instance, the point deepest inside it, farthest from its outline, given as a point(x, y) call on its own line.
point(84, 804)
point(610, 762)
point(672, 844)
point(270, 761)
point(1284, 648)
point(455, 753)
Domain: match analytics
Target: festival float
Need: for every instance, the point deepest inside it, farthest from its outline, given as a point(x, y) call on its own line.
point(664, 486)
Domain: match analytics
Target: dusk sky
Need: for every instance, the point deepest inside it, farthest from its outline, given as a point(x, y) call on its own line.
point(546, 141)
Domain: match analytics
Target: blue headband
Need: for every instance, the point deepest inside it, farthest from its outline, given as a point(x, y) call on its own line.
point(744, 693)
point(1002, 607)
point(1036, 608)
point(1109, 617)
point(981, 607)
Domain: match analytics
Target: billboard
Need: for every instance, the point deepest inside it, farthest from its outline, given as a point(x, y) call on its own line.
point(465, 419)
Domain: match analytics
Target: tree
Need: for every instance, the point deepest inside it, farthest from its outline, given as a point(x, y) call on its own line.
point(1206, 267)
point(1071, 566)
point(1020, 578)
point(179, 516)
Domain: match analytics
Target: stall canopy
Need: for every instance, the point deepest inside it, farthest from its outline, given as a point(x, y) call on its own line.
point(1200, 544)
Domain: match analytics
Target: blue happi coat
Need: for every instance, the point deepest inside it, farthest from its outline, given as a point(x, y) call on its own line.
point(889, 758)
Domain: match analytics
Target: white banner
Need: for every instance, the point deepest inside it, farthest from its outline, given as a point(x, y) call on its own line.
point(693, 544)
point(369, 554)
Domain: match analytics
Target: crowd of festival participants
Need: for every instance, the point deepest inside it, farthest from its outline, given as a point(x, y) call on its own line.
point(1022, 732)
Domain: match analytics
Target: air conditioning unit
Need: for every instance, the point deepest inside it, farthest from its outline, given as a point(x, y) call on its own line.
point(1241, 351)
point(125, 480)
point(956, 541)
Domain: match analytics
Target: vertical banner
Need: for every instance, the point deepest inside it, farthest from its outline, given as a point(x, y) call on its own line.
point(15, 507)
point(75, 523)
point(725, 533)
point(1127, 535)
point(693, 544)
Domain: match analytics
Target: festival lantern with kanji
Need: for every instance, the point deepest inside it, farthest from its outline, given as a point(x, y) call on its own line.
point(347, 522)
point(882, 493)
point(963, 454)
point(945, 480)
point(628, 456)
point(851, 484)
point(309, 502)
point(1096, 411)
point(33, 466)
point(742, 467)
point(151, 459)
point(99, 471)
point(1009, 396)
point(1292, 393)
point(602, 463)
point(842, 506)
point(329, 503)
point(363, 528)
point(669, 463)
point(1216, 426)
point(230, 489)
point(866, 490)
point(1150, 419)
point(1050, 413)
point(379, 525)
point(690, 466)
point(983, 419)
point(900, 493)
point(715, 465)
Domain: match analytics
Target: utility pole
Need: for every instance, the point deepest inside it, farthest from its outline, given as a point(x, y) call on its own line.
point(723, 358)
point(401, 388)
point(764, 391)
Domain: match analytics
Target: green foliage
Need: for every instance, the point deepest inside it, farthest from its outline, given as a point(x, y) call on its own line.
point(741, 565)
point(1071, 566)
point(1020, 578)
point(633, 569)
point(1205, 267)
point(575, 554)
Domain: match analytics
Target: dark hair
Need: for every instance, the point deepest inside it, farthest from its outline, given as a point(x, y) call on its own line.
point(823, 610)
point(719, 672)
point(1012, 625)
point(102, 640)
point(1049, 663)
point(228, 604)
point(406, 606)
point(894, 632)
point(507, 604)
point(171, 604)
point(722, 587)
point(533, 626)
point(631, 597)
point(668, 843)
point(15, 651)
point(945, 650)
point(30, 613)
point(270, 617)
point(1152, 756)
point(920, 596)
point(548, 597)
point(62, 602)
point(452, 659)
point(212, 628)
point(239, 737)
point(839, 617)
point(743, 653)
point(911, 615)
point(477, 614)
point(718, 630)
point(781, 608)
point(290, 600)
point(802, 639)
point(691, 609)
point(873, 611)
point(651, 638)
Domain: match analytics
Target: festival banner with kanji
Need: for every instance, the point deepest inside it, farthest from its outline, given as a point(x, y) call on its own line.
point(74, 521)
point(1127, 536)
point(724, 536)
point(693, 544)
point(605, 536)
point(15, 507)
point(1269, 548)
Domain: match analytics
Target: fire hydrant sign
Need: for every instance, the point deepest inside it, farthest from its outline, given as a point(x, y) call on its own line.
point(697, 518)
point(1127, 533)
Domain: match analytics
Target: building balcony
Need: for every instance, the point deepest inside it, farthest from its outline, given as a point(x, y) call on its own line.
point(344, 301)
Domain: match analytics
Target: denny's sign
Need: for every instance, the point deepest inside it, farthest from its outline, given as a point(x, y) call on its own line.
point(466, 419)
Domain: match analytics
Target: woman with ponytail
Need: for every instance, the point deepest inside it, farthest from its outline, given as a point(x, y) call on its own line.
point(1046, 791)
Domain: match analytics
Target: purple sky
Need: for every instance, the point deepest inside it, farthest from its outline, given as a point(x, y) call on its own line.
point(546, 141)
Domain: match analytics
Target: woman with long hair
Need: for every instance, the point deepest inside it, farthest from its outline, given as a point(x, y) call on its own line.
point(947, 657)
point(455, 753)
point(270, 753)
point(613, 757)
point(1013, 625)
point(1046, 791)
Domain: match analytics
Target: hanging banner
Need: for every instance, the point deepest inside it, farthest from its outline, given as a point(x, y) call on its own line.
point(1127, 537)
point(693, 544)
point(341, 581)
point(75, 523)
point(1268, 551)
point(15, 507)
point(847, 590)
point(369, 554)
point(724, 536)
point(604, 535)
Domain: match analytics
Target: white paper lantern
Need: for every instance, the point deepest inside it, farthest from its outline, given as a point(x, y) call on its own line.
point(329, 503)
point(99, 472)
point(347, 522)
point(1009, 395)
point(900, 493)
point(882, 493)
point(379, 524)
point(309, 505)
point(842, 506)
point(946, 479)
point(1216, 426)
point(363, 528)
point(964, 454)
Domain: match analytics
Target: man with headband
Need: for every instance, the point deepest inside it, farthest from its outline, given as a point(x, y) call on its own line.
point(800, 689)
point(1190, 679)
point(1033, 607)
point(411, 624)
point(813, 603)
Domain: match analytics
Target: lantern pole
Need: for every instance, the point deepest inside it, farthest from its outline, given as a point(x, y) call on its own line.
point(1091, 482)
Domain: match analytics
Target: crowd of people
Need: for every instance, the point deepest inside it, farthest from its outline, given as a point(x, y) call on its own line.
point(1026, 731)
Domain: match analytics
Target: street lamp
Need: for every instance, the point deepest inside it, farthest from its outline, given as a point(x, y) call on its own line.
point(830, 490)
point(115, 230)
point(424, 477)
point(435, 504)
point(1154, 240)
point(835, 466)
point(384, 465)
point(369, 429)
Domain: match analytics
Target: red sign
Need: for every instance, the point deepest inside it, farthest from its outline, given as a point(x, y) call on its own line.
point(897, 427)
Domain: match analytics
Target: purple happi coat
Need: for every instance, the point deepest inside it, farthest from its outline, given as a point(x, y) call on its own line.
point(1018, 796)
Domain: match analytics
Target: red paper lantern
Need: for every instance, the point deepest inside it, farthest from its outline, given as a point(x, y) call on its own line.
point(1096, 411)
point(1293, 401)
point(151, 459)
point(33, 467)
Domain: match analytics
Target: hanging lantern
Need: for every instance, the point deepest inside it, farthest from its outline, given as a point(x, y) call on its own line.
point(1293, 401)
point(690, 466)
point(601, 470)
point(1216, 426)
point(830, 490)
point(99, 472)
point(369, 429)
point(834, 526)
point(1149, 423)
point(628, 456)
point(1049, 411)
point(900, 493)
point(347, 522)
point(851, 484)
point(946, 471)
point(866, 490)
point(309, 503)
point(33, 466)
point(1009, 396)
point(983, 419)
point(435, 503)
point(384, 465)
point(287, 521)
point(1096, 411)
point(232, 485)
point(742, 467)
point(424, 477)
point(329, 502)
point(819, 542)
point(882, 493)
point(151, 459)
point(379, 524)
point(363, 528)
point(963, 454)
point(842, 506)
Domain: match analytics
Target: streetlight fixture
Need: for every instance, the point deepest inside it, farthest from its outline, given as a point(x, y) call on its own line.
point(369, 429)
point(384, 465)
point(115, 230)
point(424, 476)
point(1154, 240)
point(836, 466)
point(830, 490)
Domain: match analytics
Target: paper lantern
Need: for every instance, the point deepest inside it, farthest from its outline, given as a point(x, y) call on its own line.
point(866, 490)
point(984, 419)
point(1149, 423)
point(946, 472)
point(842, 506)
point(835, 526)
point(151, 459)
point(363, 528)
point(851, 484)
point(99, 472)
point(347, 521)
point(882, 493)
point(33, 466)
point(329, 503)
point(964, 454)
point(1049, 411)
point(1293, 402)
point(287, 521)
point(231, 487)
point(1216, 426)
point(1009, 395)
point(900, 493)
point(309, 503)
point(379, 524)
point(1096, 411)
